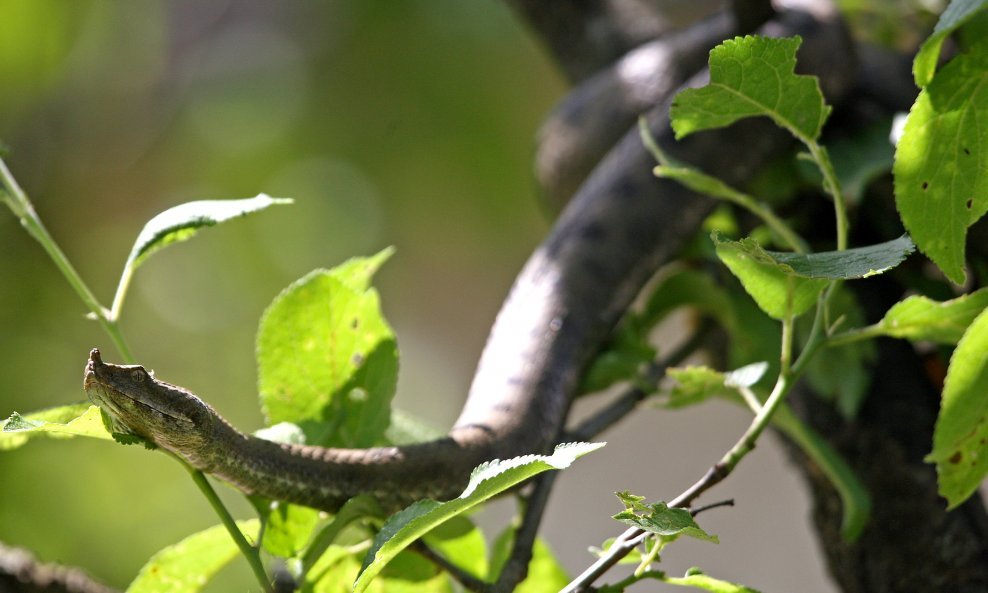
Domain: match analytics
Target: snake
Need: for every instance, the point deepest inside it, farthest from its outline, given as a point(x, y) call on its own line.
point(616, 231)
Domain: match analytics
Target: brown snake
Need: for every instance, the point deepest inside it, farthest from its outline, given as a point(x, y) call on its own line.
point(618, 229)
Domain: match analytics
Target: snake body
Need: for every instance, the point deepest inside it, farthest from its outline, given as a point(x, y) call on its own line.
point(617, 230)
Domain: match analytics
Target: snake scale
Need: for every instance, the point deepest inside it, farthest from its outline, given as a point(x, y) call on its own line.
point(620, 226)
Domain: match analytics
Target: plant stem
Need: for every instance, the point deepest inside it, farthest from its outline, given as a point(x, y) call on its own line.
point(21, 206)
point(832, 186)
point(249, 551)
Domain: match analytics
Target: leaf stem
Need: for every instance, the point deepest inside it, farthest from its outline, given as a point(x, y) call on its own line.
point(832, 186)
point(249, 552)
point(22, 207)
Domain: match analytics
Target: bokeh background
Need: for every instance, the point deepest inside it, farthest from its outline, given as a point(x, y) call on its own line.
point(391, 123)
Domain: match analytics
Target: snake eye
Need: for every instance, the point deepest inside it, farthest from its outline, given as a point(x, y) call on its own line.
point(138, 375)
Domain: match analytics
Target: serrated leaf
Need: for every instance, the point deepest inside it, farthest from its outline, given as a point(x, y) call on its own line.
point(860, 262)
point(960, 439)
point(544, 571)
point(753, 76)
point(956, 14)
point(919, 318)
point(288, 528)
point(409, 573)
point(940, 183)
point(777, 289)
point(486, 481)
point(327, 360)
point(187, 566)
point(659, 519)
point(181, 222)
point(695, 578)
point(694, 385)
point(82, 419)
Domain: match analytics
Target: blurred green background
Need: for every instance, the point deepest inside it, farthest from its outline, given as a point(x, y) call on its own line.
point(391, 123)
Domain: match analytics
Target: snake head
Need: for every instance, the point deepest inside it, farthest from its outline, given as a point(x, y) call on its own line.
point(139, 404)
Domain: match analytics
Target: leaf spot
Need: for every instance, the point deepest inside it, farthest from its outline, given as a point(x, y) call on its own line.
point(926, 185)
point(970, 203)
point(357, 359)
point(956, 458)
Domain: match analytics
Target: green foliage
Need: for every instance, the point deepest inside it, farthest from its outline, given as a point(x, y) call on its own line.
point(659, 519)
point(940, 185)
point(288, 528)
point(842, 374)
point(961, 434)
point(918, 318)
point(327, 359)
point(80, 419)
point(958, 13)
point(847, 264)
point(696, 579)
point(187, 566)
point(182, 222)
point(695, 384)
point(487, 480)
point(753, 76)
point(544, 571)
point(777, 288)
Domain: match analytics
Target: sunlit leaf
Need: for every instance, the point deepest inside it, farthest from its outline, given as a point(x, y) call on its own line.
point(696, 579)
point(659, 519)
point(941, 187)
point(82, 419)
point(487, 480)
point(187, 566)
point(327, 359)
point(776, 287)
point(919, 318)
point(956, 14)
point(753, 76)
point(960, 439)
point(544, 571)
point(181, 222)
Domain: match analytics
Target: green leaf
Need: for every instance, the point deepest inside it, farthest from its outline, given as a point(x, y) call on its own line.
point(860, 262)
point(409, 573)
point(181, 222)
point(80, 419)
point(753, 76)
point(940, 161)
point(288, 528)
point(187, 566)
point(776, 287)
point(462, 544)
point(688, 288)
point(357, 272)
point(696, 384)
point(956, 14)
point(327, 359)
point(960, 439)
point(919, 318)
point(487, 480)
point(544, 571)
point(356, 508)
point(695, 578)
point(659, 519)
point(407, 428)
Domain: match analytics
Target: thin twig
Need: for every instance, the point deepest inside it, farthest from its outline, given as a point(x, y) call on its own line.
point(469, 582)
point(724, 503)
point(629, 399)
